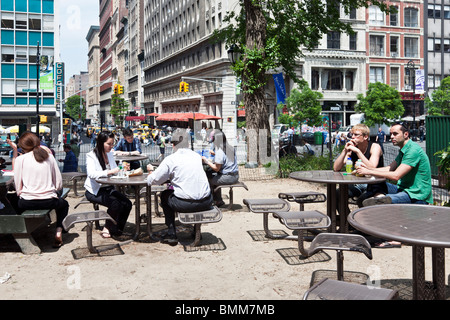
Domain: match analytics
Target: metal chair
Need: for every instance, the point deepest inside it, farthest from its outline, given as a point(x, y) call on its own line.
point(303, 197)
point(197, 218)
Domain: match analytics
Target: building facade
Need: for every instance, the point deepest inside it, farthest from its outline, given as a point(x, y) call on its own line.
point(437, 44)
point(24, 25)
point(93, 92)
point(177, 46)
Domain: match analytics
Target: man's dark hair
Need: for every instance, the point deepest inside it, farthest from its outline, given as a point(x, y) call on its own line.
point(127, 132)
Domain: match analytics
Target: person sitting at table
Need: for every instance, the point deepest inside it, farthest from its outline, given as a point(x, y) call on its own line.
point(70, 161)
point(128, 146)
point(100, 163)
point(191, 191)
point(224, 168)
point(38, 181)
point(410, 169)
point(360, 147)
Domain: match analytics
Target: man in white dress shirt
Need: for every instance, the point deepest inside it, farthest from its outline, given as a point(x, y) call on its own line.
point(191, 191)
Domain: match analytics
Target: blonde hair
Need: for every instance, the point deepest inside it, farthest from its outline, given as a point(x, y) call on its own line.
point(361, 127)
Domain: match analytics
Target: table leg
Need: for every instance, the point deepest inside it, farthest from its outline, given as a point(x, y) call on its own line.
point(331, 206)
point(418, 272)
point(137, 208)
point(343, 208)
point(438, 262)
point(149, 210)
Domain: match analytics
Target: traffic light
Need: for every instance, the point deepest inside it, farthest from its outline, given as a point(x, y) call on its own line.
point(43, 119)
point(116, 88)
point(186, 87)
point(182, 86)
point(120, 89)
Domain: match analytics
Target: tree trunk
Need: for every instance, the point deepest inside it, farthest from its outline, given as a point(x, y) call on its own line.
point(255, 102)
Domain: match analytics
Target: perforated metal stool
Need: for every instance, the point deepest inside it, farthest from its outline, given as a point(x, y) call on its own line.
point(303, 197)
point(198, 218)
point(329, 289)
point(266, 206)
point(88, 217)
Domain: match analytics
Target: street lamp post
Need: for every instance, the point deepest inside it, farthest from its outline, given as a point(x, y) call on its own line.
point(38, 71)
point(412, 79)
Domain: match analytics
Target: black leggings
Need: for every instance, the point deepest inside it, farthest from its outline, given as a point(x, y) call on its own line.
point(60, 205)
point(119, 207)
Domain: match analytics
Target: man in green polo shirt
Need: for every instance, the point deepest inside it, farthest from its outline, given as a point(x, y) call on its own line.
point(411, 169)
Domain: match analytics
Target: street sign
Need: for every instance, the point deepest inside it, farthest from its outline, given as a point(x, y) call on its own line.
point(28, 90)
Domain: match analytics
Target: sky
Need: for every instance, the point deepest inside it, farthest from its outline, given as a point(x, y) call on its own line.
point(76, 17)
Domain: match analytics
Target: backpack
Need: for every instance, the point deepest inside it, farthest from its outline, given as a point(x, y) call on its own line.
point(309, 149)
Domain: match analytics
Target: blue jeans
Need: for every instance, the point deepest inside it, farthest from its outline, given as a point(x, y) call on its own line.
point(402, 196)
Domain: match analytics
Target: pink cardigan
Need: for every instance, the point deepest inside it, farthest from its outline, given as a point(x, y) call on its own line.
point(36, 180)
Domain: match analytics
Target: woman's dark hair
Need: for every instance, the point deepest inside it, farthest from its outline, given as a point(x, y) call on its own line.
point(100, 146)
point(30, 142)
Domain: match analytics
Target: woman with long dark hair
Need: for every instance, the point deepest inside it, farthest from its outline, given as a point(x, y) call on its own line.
point(38, 181)
point(100, 163)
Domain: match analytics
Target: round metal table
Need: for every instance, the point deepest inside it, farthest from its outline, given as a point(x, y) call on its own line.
point(333, 178)
point(131, 158)
point(417, 225)
point(137, 182)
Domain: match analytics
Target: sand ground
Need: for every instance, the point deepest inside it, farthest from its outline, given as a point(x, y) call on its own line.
point(234, 262)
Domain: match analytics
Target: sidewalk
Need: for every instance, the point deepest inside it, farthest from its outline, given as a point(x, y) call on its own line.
point(235, 263)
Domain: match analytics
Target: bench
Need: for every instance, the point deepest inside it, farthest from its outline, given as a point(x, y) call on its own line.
point(198, 218)
point(230, 194)
point(21, 226)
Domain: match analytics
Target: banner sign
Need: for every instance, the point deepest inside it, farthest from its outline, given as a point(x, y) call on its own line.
point(59, 80)
point(280, 88)
point(420, 81)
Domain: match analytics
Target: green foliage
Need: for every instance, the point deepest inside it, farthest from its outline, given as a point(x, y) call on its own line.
point(444, 160)
point(291, 163)
point(241, 124)
point(119, 108)
point(439, 103)
point(382, 104)
point(304, 105)
point(73, 107)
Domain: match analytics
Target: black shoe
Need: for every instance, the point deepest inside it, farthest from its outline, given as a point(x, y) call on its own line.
point(219, 204)
point(170, 239)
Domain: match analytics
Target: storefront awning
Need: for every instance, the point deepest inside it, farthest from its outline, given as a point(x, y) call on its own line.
point(135, 118)
point(186, 116)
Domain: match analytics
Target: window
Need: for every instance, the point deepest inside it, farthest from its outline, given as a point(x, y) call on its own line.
point(434, 11)
point(437, 45)
point(376, 46)
point(394, 46)
point(411, 18)
point(349, 80)
point(7, 22)
point(376, 74)
point(446, 12)
point(430, 44)
point(352, 44)
point(333, 40)
point(395, 74)
point(353, 13)
point(411, 47)
point(393, 18)
point(315, 79)
point(332, 79)
point(21, 21)
point(376, 17)
point(34, 23)
point(446, 45)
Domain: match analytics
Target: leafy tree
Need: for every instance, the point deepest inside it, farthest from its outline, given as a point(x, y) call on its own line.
point(73, 107)
point(119, 108)
point(272, 34)
point(304, 105)
point(439, 104)
point(381, 104)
